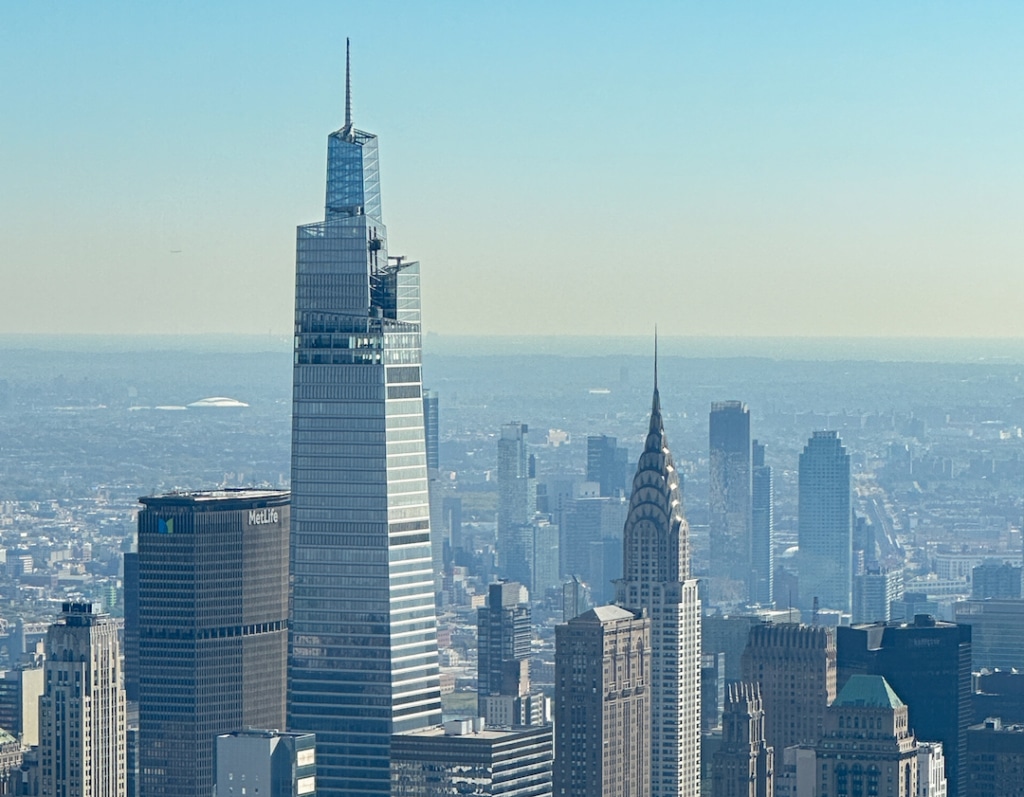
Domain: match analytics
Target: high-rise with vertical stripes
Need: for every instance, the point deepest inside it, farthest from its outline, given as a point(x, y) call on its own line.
point(363, 649)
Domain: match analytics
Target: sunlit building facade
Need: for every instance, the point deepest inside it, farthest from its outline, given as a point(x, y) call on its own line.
point(656, 579)
point(82, 710)
point(363, 652)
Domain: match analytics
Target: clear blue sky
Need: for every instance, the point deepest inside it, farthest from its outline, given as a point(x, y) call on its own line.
point(586, 167)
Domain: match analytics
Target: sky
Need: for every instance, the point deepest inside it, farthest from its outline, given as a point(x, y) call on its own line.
point(587, 168)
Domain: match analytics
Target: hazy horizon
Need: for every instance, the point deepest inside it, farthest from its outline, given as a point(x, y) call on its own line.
point(868, 349)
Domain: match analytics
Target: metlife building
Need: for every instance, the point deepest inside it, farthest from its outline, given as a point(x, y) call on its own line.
point(212, 629)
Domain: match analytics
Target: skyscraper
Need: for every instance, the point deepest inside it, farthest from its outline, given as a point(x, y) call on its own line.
point(607, 465)
point(996, 638)
point(517, 501)
point(587, 521)
point(795, 667)
point(435, 488)
point(825, 523)
point(928, 664)
point(603, 703)
point(131, 626)
point(504, 634)
point(730, 502)
point(868, 746)
point(656, 579)
point(762, 529)
point(81, 713)
point(20, 690)
point(363, 652)
point(994, 755)
point(993, 579)
point(431, 430)
point(213, 629)
point(874, 593)
point(744, 766)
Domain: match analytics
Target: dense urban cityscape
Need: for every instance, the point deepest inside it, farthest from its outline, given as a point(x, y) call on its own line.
point(443, 567)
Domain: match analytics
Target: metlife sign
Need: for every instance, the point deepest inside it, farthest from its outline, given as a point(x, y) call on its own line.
point(260, 517)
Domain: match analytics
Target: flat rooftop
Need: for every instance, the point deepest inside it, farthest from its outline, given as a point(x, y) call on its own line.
point(210, 497)
point(484, 735)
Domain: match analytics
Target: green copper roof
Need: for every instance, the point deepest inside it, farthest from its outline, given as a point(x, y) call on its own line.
point(869, 691)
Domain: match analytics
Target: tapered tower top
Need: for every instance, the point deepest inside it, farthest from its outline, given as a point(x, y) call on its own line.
point(656, 536)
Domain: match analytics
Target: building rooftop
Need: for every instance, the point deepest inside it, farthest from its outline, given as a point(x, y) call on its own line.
point(485, 734)
point(206, 497)
point(604, 614)
point(871, 691)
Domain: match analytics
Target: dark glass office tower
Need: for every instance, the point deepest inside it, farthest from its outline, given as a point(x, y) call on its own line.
point(213, 629)
point(825, 524)
point(928, 663)
point(363, 652)
point(762, 529)
point(729, 498)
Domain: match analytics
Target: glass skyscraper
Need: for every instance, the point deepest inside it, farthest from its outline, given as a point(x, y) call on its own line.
point(825, 523)
point(762, 529)
point(729, 496)
point(363, 650)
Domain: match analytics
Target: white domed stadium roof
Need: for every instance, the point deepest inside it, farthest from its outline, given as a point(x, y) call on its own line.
point(218, 401)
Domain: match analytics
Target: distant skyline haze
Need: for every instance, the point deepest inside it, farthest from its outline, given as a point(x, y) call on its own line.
point(792, 169)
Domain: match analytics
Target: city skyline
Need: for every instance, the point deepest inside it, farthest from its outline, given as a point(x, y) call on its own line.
point(865, 154)
point(378, 622)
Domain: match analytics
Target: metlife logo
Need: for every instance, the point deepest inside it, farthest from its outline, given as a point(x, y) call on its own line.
point(259, 517)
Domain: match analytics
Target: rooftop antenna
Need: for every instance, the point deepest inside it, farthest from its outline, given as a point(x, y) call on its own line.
point(348, 86)
point(655, 357)
point(656, 424)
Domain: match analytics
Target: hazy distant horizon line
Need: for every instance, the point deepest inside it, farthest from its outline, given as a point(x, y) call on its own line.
point(1001, 350)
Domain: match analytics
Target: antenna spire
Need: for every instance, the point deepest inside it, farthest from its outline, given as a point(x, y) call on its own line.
point(655, 357)
point(348, 86)
point(656, 425)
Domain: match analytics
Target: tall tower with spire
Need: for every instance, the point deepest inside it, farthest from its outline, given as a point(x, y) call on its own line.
point(363, 648)
point(656, 578)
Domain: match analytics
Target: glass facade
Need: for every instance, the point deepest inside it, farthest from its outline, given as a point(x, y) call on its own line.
point(825, 524)
point(729, 498)
point(363, 649)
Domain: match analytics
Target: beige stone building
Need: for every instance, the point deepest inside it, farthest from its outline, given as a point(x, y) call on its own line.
point(795, 667)
point(868, 747)
point(82, 710)
point(603, 705)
